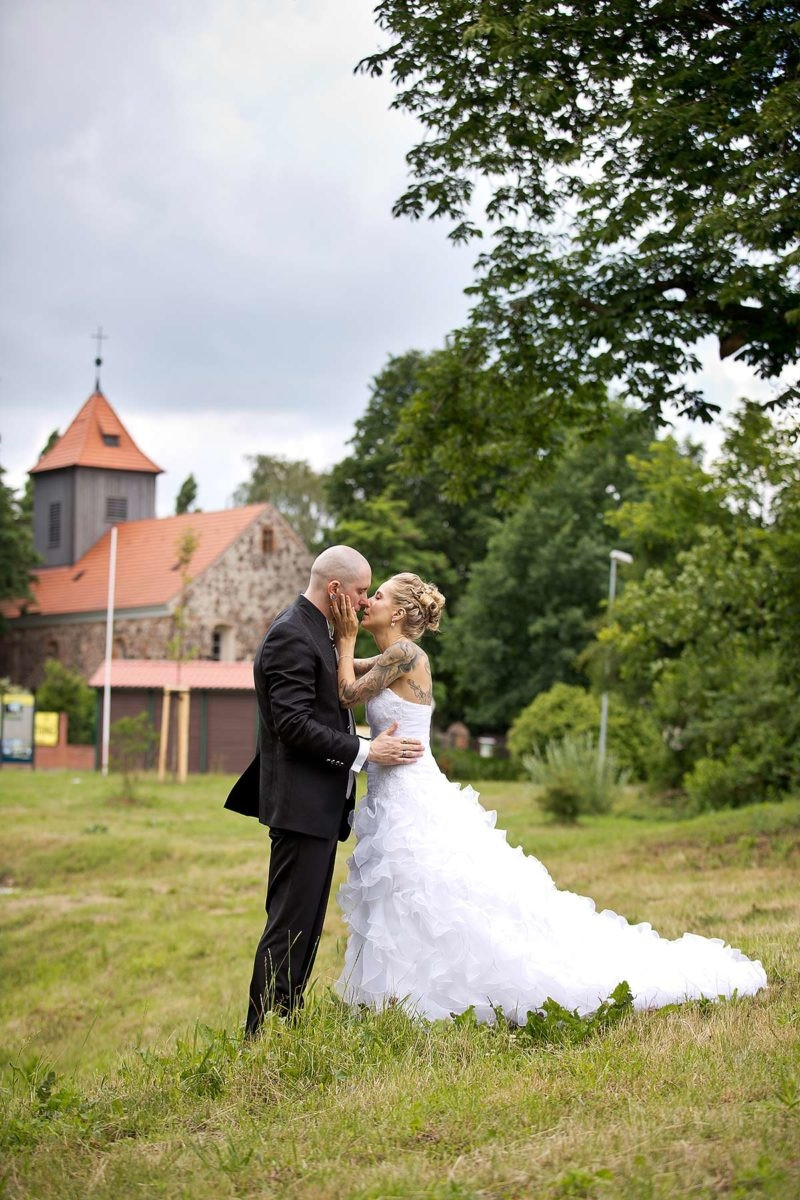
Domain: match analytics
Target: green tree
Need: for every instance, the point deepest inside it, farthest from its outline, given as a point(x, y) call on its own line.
point(295, 489)
point(187, 494)
point(565, 713)
point(177, 647)
point(675, 500)
point(17, 555)
point(367, 471)
point(376, 469)
point(65, 690)
point(759, 467)
point(532, 603)
point(562, 711)
point(785, 549)
point(707, 641)
point(390, 539)
point(640, 166)
point(395, 507)
point(702, 652)
point(131, 741)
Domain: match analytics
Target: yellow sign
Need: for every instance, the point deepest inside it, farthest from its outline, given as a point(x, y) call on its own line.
point(46, 728)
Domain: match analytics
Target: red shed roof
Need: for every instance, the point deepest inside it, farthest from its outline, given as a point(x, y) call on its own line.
point(96, 438)
point(148, 574)
point(162, 672)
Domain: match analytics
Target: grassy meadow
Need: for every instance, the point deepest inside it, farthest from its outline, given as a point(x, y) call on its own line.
point(127, 938)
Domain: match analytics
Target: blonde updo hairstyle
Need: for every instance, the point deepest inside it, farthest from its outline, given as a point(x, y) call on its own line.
point(421, 602)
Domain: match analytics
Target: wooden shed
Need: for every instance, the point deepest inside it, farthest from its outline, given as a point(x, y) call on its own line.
point(222, 707)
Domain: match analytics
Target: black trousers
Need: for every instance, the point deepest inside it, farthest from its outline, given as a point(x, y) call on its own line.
point(299, 882)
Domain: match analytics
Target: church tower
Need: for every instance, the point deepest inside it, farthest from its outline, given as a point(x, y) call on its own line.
point(95, 476)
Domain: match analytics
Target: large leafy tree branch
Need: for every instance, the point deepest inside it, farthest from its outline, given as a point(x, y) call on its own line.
point(705, 637)
point(397, 505)
point(638, 162)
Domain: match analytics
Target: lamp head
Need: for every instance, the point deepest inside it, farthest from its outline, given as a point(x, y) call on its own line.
point(621, 556)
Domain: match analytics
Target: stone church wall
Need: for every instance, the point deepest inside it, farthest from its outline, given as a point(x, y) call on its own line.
point(242, 592)
point(80, 645)
point(247, 587)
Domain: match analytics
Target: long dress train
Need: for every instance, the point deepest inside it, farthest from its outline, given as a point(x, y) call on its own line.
point(444, 914)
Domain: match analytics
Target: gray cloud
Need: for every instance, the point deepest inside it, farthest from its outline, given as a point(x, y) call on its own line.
point(213, 185)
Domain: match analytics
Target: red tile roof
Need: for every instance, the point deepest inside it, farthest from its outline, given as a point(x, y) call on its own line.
point(82, 445)
point(161, 672)
point(147, 570)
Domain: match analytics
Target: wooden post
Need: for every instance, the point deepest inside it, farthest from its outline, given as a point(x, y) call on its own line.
point(183, 734)
point(162, 745)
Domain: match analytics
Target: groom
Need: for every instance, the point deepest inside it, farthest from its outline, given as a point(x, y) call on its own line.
point(302, 781)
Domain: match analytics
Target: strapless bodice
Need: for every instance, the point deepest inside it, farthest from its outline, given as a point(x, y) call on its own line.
point(413, 720)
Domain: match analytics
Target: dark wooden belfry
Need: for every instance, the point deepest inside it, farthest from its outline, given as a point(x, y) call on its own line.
point(95, 476)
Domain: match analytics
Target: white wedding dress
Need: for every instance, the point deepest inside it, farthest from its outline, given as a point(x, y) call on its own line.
point(443, 913)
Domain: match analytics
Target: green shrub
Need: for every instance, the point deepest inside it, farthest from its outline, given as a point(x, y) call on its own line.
point(563, 711)
point(735, 725)
point(726, 783)
point(131, 742)
point(571, 782)
point(635, 739)
point(468, 765)
point(567, 711)
point(63, 690)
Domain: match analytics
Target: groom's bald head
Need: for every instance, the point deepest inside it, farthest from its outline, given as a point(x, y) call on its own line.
point(340, 563)
point(343, 569)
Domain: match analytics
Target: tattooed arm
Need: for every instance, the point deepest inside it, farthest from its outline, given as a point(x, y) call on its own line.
point(398, 659)
point(362, 665)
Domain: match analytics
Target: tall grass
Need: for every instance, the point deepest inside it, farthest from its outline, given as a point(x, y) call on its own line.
point(127, 936)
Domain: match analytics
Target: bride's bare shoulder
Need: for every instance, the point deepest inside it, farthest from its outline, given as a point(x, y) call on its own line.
point(402, 650)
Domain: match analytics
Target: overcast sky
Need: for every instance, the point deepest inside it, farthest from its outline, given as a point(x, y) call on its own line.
point(210, 182)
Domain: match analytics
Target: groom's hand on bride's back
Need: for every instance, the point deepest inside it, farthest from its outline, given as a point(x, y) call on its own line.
point(389, 751)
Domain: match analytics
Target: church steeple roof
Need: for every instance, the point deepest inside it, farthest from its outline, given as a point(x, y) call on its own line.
point(96, 438)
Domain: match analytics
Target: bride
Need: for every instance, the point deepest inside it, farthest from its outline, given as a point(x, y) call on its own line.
point(442, 912)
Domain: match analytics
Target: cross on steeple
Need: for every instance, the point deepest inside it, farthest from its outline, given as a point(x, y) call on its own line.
point(99, 337)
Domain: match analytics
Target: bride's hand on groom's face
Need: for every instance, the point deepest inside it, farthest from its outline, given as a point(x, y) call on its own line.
point(344, 617)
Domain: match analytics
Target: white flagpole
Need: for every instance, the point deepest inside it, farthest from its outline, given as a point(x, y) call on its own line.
point(112, 575)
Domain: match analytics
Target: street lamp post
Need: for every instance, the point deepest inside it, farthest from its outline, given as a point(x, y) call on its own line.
point(616, 556)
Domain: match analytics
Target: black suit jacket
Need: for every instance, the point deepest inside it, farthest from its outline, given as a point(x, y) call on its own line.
point(300, 777)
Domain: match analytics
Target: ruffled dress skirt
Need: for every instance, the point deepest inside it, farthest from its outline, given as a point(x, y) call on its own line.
point(443, 914)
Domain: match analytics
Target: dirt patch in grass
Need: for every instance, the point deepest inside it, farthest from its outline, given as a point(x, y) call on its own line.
point(56, 903)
